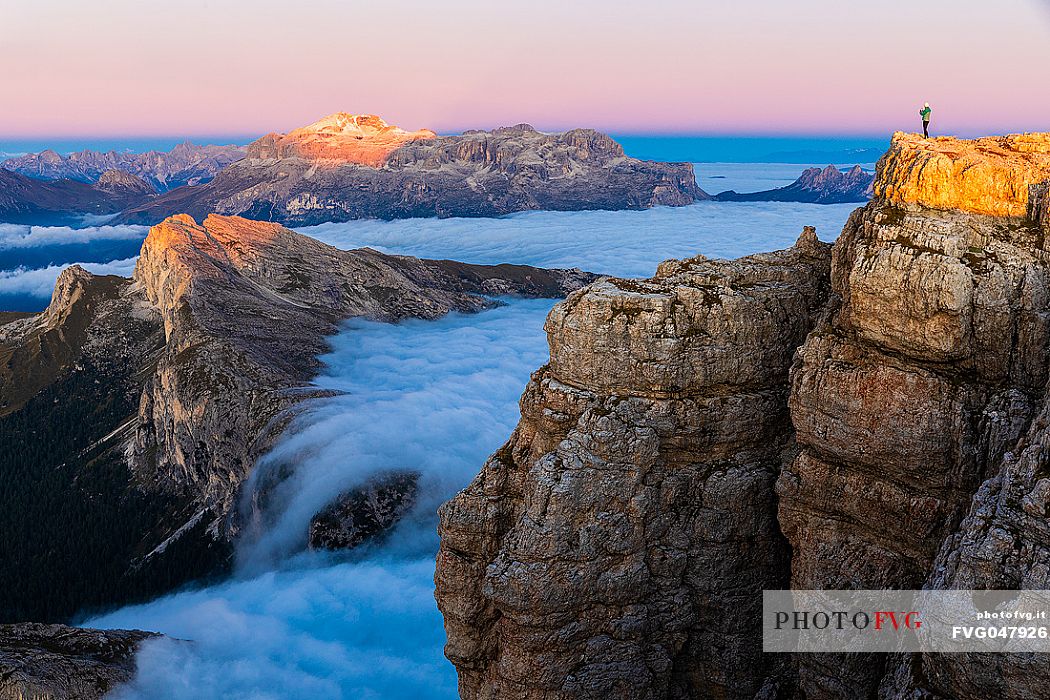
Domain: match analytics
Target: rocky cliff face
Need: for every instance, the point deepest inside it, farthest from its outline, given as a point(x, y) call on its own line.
point(192, 368)
point(609, 549)
point(349, 166)
point(815, 186)
point(666, 450)
point(186, 164)
point(985, 176)
point(246, 307)
point(928, 369)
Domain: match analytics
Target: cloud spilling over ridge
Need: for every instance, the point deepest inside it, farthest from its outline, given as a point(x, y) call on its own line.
point(436, 396)
point(40, 282)
point(14, 236)
point(432, 397)
point(625, 243)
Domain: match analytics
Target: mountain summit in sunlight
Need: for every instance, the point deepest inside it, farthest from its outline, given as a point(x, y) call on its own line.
point(364, 139)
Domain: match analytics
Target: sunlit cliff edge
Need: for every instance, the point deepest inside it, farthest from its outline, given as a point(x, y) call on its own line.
point(990, 175)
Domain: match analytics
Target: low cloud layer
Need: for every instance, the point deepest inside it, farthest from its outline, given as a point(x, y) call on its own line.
point(432, 397)
point(628, 243)
point(40, 282)
point(349, 631)
point(15, 236)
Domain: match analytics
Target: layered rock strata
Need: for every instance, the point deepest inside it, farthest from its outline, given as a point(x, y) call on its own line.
point(615, 545)
point(929, 367)
point(914, 455)
point(246, 308)
point(989, 175)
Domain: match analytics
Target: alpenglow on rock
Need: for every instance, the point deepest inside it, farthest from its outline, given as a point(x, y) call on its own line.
point(349, 166)
point(668, 464)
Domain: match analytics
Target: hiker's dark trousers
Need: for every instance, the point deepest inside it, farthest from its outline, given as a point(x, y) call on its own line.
point(926, 129)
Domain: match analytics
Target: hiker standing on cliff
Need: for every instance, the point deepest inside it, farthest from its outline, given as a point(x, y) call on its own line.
point(925, 113)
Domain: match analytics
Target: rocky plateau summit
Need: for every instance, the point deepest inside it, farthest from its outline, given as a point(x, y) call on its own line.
point(348, 166)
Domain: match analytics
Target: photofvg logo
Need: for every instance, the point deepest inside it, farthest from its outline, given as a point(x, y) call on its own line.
point(906, 621)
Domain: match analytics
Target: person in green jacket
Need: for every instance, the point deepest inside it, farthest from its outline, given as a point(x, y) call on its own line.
point(925, 113)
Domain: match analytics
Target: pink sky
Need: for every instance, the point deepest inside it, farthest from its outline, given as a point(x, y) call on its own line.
point(139, 68)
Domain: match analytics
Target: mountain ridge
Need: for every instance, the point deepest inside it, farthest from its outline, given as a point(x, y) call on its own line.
point(816, 186)
point(192, 369)
point(185, 164)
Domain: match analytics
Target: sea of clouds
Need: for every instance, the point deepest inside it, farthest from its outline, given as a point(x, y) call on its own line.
point(20, 236)
point(31, 258)
point(437, 397)
point(715, 178)
point(624, 243)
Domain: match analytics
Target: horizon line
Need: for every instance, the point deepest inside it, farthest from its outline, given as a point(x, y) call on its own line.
point(233, 137)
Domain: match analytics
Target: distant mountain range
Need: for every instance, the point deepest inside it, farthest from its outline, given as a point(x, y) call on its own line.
point(27, 200)
point(186, 164)
point(350, 166)
point(816, 186)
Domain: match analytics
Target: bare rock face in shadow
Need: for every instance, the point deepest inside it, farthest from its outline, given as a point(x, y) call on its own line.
point(366, 513)
point(64, 663)
point(618, 544)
